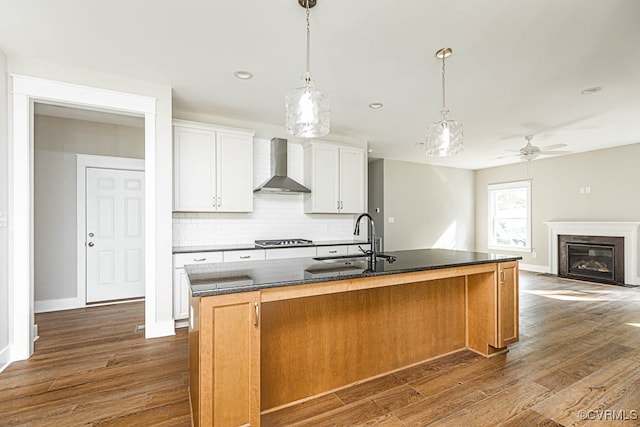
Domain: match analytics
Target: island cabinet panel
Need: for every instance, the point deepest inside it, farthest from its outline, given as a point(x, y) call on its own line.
point(482, 308)
point(507, 303)
point(313, 344)
point(226, 391)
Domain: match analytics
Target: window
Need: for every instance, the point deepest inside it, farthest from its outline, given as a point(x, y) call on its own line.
point(510, 216)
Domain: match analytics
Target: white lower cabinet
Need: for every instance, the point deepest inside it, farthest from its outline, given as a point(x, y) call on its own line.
point(180, 281)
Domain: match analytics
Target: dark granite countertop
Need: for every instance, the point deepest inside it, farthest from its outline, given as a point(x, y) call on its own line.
point(245, 276)
point(245, 246)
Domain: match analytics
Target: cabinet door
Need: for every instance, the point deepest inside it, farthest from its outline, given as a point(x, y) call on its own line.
point(507, 303)
point(352, 182)
point(234, 177)
point(194, 172)
point(230, 360)
point(324, 183)
point(180, 294)
point(181, 282)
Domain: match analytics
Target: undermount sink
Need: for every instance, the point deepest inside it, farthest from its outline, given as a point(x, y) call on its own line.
point(354, 259)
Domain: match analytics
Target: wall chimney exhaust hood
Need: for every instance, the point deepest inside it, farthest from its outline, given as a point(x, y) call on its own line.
point(279, 182)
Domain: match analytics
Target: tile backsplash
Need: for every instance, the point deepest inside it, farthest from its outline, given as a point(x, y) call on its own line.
point(274, 216)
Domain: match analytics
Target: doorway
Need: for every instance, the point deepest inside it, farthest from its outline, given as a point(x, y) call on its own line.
point(107, 140)
point(27, 90)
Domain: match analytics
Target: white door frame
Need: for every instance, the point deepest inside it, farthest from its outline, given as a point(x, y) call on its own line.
point(26, 91)
point(84, 161)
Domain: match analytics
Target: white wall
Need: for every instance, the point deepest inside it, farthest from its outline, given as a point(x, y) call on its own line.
point(56, 142)
point(274, 215)
point(376, 198)
point(431, 206)
point(613, 175)
point(4, 243)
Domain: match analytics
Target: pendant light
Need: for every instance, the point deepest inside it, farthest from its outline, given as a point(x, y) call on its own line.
point(306, 108)
point(444, 138)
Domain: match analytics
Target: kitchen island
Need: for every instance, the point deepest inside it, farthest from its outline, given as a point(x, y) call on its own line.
point(265, 334)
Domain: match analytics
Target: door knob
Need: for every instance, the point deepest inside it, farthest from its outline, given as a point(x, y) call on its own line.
point(90, 244)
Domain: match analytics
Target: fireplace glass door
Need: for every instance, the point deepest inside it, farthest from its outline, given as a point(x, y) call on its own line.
point(591, 261)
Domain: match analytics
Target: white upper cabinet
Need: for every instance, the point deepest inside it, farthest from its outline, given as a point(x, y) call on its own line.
point(213, 168)
point(336, 176)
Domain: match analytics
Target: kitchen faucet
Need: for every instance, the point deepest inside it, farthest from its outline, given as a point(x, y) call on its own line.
point(372, 235)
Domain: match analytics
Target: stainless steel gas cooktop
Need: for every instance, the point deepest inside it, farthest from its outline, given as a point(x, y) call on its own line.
point(283, 243)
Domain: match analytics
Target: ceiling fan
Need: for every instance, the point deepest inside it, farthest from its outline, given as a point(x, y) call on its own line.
point(531, 152)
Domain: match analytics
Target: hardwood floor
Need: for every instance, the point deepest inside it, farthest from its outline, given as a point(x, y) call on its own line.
point(579, 350)
point(91, 367)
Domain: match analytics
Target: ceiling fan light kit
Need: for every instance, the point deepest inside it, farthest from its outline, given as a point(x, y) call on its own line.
point(307, 109)
point(444, 138)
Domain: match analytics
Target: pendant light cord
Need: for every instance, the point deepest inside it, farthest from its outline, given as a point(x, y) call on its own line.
point(444, 105)
point(308, 74)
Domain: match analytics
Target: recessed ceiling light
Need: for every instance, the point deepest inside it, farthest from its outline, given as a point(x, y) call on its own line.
point(243, 75)
point(376, 105)
point(591, 90)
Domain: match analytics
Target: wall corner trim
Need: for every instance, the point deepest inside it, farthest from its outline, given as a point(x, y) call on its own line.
point(159, 329)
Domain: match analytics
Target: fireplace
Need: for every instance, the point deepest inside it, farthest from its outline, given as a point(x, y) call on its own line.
point(593, 258)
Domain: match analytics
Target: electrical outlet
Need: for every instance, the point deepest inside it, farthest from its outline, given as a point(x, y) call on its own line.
point(3, 219)
point(391, 220)
point(534, 254)
point(587, 189)
point(581, 190)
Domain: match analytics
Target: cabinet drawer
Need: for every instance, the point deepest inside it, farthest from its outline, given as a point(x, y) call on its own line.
point(332, 250)
point(247, 255)
point(290, 253)
point(180, 260)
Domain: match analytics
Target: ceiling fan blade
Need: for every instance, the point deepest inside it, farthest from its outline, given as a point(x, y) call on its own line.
point(510, 155)
point(552, 147)
point(512, 151)
point(554, 153)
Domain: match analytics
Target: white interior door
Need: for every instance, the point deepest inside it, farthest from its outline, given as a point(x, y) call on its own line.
point(115, 234)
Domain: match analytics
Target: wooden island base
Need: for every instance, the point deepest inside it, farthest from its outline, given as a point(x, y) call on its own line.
point(259, 351)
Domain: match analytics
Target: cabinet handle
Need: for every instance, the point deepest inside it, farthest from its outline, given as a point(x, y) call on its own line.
point(333, 251)
point(503, 280)
point(219, 201)
point(245, 257)
point(341, 205)
point(338, 207)
point(257, 308)
point(199, 259)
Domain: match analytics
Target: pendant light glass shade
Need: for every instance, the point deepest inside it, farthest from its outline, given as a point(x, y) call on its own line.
point(307, 110)
point(444, 138)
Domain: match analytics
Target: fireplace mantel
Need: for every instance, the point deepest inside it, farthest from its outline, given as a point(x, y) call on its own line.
point(626, 229)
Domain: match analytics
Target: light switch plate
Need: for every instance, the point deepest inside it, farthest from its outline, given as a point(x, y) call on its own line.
point(3, 219)
point(391, 220)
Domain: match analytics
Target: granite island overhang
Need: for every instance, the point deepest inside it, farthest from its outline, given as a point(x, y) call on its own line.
point(267, 334)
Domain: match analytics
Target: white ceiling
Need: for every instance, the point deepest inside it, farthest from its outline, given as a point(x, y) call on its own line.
point(518, 66)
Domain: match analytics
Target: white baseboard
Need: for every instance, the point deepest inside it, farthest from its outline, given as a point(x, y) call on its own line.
point(159, 329)
point(45, 306)
point(182, 323)
point(534, 268)
point(5, 358)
